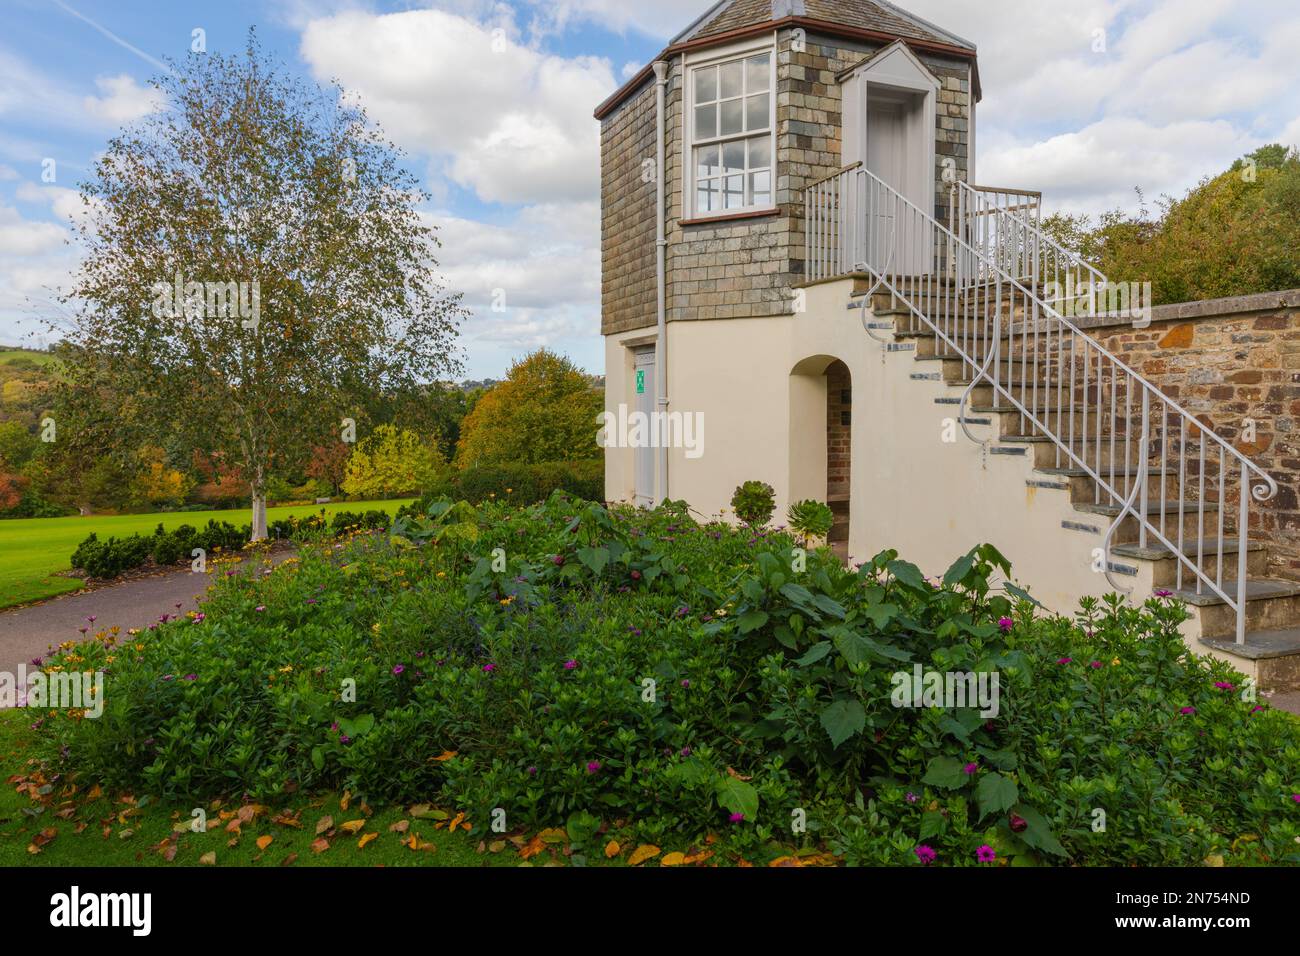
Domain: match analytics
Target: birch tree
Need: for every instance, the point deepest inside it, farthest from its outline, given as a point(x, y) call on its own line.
point(256, 266)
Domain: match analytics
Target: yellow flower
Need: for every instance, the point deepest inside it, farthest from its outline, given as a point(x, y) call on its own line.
point(509, 600)
point(442, 574)
point(510, 491)
point(286, 669)
point(1115, 662)
point(375, 627)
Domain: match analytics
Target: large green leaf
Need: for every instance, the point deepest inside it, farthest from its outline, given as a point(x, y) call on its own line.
point(880, 614)
point(960, 568)
point(908, 575)
point(752, 621)
point(946, 772)
point(995, 793)
point(1038, 834)
point(842, 719)
point(594, 558)
point(737, 796)
point(815, 653)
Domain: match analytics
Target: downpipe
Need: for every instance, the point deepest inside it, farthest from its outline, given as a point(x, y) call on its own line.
point(661, 244)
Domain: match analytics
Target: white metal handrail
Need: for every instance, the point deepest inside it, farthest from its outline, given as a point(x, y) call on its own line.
point(1066, 386)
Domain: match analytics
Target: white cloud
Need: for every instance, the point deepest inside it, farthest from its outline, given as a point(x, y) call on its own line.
point(510, 123)
point(123, 100)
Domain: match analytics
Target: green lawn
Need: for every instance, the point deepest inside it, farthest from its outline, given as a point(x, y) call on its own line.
point(34, 549)
point(67, 826)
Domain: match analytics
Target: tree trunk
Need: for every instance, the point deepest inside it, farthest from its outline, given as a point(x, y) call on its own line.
point(259, 514)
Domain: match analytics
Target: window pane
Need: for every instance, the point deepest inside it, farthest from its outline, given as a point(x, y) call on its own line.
point(758, 74)
point(733, 157)
point(734, 192)
point(706, 84)
point(731, 118)
point(760, 188)
point(706, 162)
point(760, 152)
point(706, 194)
point(756, 112)
point(706, 121)
point(731, 77)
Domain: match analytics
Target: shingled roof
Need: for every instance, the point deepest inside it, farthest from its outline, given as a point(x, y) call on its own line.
point(875, 15)
point(876, 20)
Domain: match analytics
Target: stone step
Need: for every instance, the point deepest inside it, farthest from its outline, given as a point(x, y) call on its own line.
point(1271, 604)
point(1129, 529)
point(1167, 566)
point(1273, 656)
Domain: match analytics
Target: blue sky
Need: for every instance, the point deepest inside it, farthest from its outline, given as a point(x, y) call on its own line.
point(1084, 99)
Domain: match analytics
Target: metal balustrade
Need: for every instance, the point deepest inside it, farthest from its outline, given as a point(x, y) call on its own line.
point(992, 289)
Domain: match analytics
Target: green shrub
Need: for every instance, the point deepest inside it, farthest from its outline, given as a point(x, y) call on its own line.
point(754, 502)
point(519, 484)
point(621, 665)
point(810, 519)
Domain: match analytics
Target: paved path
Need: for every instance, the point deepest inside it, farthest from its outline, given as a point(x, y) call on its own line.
point(29, 632)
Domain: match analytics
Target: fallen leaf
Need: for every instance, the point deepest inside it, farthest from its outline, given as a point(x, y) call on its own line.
point(445, 755)
point(320, 845)
point(401, 826)
point(361, 844)
point(612, 849)
point(532, 848)
point(208, 859)
point(553, 835)
point(323, 824)
point(289, 860)
point(264, 841)
point(643, 853)
point(345, 800)
point(496, 846)
point(673, 859)
point(352, 826)
point(455, 822)
point(699, 857)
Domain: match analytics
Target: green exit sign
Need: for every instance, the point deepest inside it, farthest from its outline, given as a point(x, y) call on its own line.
point(640, 381)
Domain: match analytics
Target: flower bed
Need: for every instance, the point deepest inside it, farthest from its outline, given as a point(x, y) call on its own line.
point(568, 665)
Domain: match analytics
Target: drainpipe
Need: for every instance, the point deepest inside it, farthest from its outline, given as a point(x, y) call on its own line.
point(661, 245)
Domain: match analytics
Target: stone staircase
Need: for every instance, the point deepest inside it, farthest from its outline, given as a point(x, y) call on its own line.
point(1196, 517)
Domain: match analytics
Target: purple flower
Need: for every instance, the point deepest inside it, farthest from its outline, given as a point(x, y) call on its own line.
point(635, 630)
point(1224, 685)
point(38, 661)
point(312, 601)
point(910, 797)
point(191, 676)
point(334, 726)
point(260, 608)
point(593, 766)
point(1065, 660)
point(199, 618)
point(570, 665)
point(1006, 624)
point(970, 769)
point(489, 668)
point(925, 854)
point(1162, 593)
point(532, 771)
point(736, 817)
point(91, 619)
point(1187, 710)
point(1095, 664)
point(1296, 797)
point(686, 683)
point(344, 739)
point(985, 854)
point(685, 751)
point(169, 677)
point(398, 668)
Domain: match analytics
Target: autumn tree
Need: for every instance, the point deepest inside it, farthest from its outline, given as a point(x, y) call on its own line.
point(545, 410)
point(255, 266)
point(391, 461)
